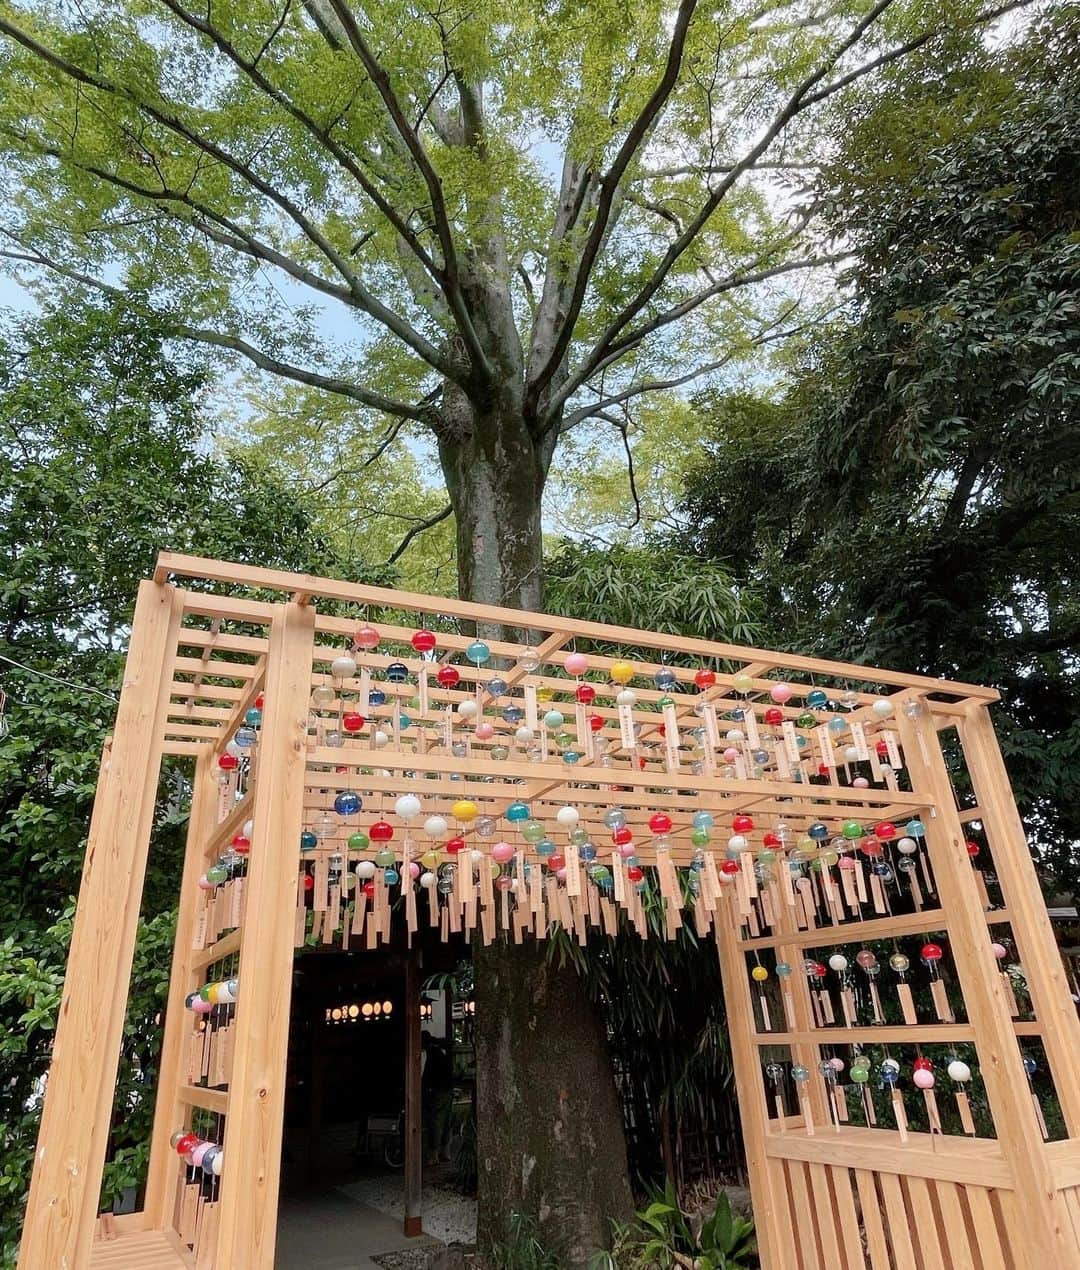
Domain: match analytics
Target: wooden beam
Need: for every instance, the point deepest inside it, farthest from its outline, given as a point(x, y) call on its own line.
point(63, 1202)
point(1049, 1237)
point(382, 597)
point(253, 1125)
point(1031, 929)
point(168, 1111)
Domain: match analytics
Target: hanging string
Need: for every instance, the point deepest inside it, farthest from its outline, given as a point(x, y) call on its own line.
point(64, 683)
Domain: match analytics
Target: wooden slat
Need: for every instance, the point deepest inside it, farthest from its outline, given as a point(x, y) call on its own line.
point(986, 1235)
point(208, 1099)
point(252, 1148)
point(953, 1226)
point(161, 1172)
point(1032, 931)
point(954, 1159)
point(805, 1226)
point(382, 597)
point(825, 1218)
point(145, 1250)
point(899, 1228)
point(62, 1205)
point(925, 1228)
point(870, 1206)
point(847, 1218)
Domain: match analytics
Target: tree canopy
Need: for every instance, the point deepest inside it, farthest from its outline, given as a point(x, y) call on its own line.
point(103, 459)
point(516, 213)
point(911, 498)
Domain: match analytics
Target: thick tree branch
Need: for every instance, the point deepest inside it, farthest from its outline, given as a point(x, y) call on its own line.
point(424, 525)
point(422, 413)
point(633, 338)
point(361, 297)
point(609, 186)
point(794, 105)
point(381, 79)
point(321, 134)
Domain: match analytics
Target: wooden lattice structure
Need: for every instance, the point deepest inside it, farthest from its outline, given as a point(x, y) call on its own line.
point(815, 836)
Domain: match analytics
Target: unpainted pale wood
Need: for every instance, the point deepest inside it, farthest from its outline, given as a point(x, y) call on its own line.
point(161, 1171)
point(806, 1239)
point(253, 1128)
point(382, 597)
point(63, 1202)
point(869, 1204)
point(769, 1202)
point(1050, 1236)
point(1031, 929)
point(846, 1217)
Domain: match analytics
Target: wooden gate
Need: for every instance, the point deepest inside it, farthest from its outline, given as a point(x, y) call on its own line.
point(904, 1043)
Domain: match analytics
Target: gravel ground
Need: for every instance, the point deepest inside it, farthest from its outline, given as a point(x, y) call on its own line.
point(447, 1215)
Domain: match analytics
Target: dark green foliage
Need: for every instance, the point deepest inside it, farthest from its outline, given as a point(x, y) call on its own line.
point(913, 498)
point(663, 1237)
point(103, 460)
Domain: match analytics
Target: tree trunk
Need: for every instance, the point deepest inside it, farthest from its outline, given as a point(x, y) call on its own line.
point(550, 1142)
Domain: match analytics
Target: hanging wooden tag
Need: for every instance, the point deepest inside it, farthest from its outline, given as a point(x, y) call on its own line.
point(320, 895)
point(710, 890)
point(791, 740)
point(839, 1099)
point(893, 750)
point(807, 1114)
point(860, 880)
point(875, 1003)
point(847, 1004)
point(333, 915)
point(712, 729)
point(877, 894)
point(783, 766)
point(980, 886)
point(858, 739)
point(424, 688)
point(932, 1116)
point(1010, 995)
point(907, 1004)
point(1040, 1118)
point(753, 737)
point(963, 1106)
point(868, 1107)
point(626, 725)
point(585, 737)
point(941, 1002)
point(789, 1008)
point(825, 746)
point(201, 927)
point(900, 1114)
point(448, 728)
point(787, 888)
point(847, 882)
point(766, 1021)
point(409, 887)
point(532, 718)
point(363, 703)
point(671, 736)
point(572, 855)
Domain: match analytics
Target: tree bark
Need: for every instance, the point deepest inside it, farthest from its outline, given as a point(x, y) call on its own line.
point(550, 1141)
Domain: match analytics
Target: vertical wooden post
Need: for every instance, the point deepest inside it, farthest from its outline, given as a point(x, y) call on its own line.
point(414, 1155)
point(253, 1125)
point(768, 1213)
point(168, 1111)
point(1031, 927)
point(66, 1185)
point(1050, 1240)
